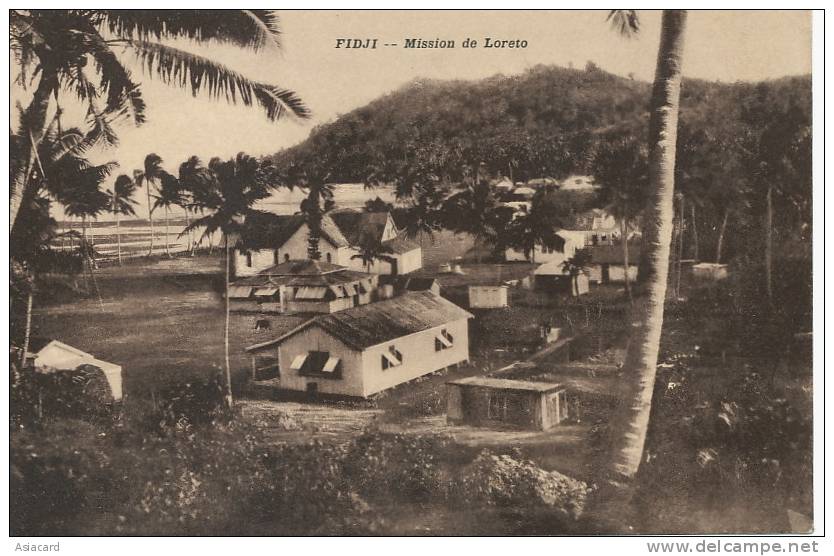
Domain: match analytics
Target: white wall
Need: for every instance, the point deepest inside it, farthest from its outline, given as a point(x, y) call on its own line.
point(419, 357)
point(315, 339)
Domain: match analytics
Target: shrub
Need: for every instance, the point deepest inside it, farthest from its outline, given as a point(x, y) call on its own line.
point(501, 480)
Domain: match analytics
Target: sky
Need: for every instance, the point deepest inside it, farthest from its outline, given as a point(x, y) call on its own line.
point(720, 45)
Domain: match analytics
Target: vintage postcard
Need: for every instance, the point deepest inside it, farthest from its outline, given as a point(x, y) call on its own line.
point(400, 273)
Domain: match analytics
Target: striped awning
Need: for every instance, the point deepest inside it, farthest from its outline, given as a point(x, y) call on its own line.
point(239, 292)
point(311, 292)
point(265, 292)
point(298, 362)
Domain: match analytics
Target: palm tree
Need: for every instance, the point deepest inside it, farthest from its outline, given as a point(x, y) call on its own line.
point(124, 189)
point(620, 168)
point(150, 174)
point(629, 424)
point(472, 210)
point(194, 181)
point(238, 184)
point(371, 250)
point(319, 201)
point(576, 265)
point(537, 226)
point(169, 194)
point(58, 44)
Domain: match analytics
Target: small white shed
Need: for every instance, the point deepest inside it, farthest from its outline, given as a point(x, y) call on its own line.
point(57, 356)
point(487, 297)
point(709, 272)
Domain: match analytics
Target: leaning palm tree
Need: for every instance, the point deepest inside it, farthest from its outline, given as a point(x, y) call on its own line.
point(58, 44)
point(238, 184)
point(169, 194)
point(629, 424)
point(124, 188)
point(151, 174)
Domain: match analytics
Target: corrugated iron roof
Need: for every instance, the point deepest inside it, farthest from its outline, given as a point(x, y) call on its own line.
point(400, 245)
point(358, 227)
point(507, 384)
point(383, 321)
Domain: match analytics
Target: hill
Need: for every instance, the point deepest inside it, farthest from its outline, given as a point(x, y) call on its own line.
point(545, 121)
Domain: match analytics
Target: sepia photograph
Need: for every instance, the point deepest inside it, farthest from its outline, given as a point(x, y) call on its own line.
point(413, 273)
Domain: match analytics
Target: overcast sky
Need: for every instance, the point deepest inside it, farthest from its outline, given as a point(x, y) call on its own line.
point(725, 46)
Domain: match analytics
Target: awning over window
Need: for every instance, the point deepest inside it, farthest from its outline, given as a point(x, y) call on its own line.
point(331, 365)
point(311, 292)
point(350, 289)
point(337, 291)
point(444, 340)
point(392, 360)
point(298, 362)
point(265, 292)
point(239, 292)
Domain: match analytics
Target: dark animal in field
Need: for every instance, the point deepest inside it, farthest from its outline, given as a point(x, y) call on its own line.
point(262, 324)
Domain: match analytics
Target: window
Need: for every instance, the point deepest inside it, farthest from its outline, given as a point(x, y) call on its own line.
point(275, 257)
point(318, 364)
point(391, 358)
point(329, 257)
point(286, 257)
point(249, 260)
point(444, 340)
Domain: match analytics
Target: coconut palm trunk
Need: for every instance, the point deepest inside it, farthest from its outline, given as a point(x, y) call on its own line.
point(624, 229)
point(769, 244)
point(167, 243)
point(28, 331)
point(694, 233)
point(629, 423)
point(721, 236)
point(37, 122)
point(150, 214)
point(229, 400)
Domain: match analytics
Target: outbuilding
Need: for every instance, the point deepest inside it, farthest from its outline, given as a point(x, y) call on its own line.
point(487, 297)
point(361, 351)
point(54, 356)
point(489, 401)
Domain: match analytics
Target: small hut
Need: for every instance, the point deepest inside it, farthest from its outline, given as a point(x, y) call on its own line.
point(54, 356)
point(488, 401)
point(487, 297)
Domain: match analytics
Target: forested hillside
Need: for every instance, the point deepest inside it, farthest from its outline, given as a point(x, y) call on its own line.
point(546, 121)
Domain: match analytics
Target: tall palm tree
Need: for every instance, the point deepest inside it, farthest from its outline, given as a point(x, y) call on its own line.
point(151, 174)
point(58, 44)
point(169, 194)
point(620, 167)
point(194, 180)
point(124, 188)
point(629, 424)
point(238, 184)
point(318, 202)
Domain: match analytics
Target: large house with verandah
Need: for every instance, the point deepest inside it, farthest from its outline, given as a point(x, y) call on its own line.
point(365, 350)
point(270, 239)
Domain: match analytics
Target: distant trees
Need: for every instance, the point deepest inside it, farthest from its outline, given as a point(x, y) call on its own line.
point(122, 201)
point(169, 194)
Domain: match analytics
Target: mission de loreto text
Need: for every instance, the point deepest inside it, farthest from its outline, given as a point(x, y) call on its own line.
point(486, 42)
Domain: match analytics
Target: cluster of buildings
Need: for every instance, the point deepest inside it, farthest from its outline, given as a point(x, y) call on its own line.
point(594, 230)
point(371, 324)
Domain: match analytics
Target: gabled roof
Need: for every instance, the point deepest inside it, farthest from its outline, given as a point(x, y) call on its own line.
point(357, 226)
point(383, 321)
point(263, 230)
point(401, 244)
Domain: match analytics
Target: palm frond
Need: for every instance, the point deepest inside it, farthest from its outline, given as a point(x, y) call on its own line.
point(190, 71)
point(253, 29)
point(625, 22)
